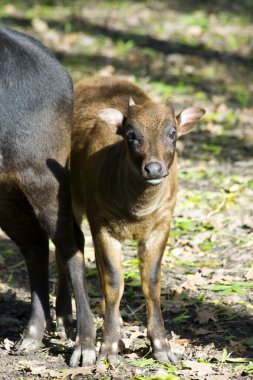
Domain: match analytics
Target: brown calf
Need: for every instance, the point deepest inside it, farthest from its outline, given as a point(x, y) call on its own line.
point(124, 178)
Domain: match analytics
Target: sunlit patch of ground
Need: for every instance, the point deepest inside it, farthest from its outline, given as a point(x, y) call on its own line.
point(198, 54)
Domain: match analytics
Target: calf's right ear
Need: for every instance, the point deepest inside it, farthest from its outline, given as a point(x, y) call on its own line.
point(113, 118)
point(188, 118)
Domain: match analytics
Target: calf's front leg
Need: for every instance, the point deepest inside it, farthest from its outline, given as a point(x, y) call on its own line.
point(150, 256)
point(108, 257)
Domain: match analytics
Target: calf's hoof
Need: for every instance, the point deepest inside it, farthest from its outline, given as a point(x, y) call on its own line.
point(64, 327)
point(163, 353)
point(165, 357)
point(85, 356)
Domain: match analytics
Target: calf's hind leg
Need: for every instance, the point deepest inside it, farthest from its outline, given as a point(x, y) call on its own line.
point(63, 299)
point(63, 305)
point(19, 222)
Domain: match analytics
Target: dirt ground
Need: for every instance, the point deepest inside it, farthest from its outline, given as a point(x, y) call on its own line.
point(202, 55)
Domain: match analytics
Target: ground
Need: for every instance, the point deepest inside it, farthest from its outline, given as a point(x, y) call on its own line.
point(200, 53)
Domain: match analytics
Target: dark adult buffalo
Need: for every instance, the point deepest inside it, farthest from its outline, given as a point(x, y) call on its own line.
point(36, 105)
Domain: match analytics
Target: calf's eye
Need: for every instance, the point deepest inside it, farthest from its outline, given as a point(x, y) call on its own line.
point(131, 136)
point(133, 140)
point(172, 134)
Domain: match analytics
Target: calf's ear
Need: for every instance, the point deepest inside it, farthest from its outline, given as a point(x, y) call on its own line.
point(187, 119)
point(113, 118)
point(177, 107)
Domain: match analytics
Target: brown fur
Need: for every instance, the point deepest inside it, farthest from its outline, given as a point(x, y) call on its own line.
point(110, 185)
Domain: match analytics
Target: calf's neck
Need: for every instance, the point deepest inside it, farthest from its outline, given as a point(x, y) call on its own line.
point(124, 178)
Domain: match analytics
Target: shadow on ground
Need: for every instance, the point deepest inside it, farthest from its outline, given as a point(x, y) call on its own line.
point(141, 41)
point(236, 326)
point(244, 7)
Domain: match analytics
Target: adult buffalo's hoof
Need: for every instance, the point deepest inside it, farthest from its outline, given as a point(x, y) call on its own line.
point(83, 355)
point(112, 358)
point(28, 345)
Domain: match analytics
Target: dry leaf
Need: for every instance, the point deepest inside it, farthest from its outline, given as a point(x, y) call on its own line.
point(237, 346)
point(39, 369)
point(206, 271)
point(52, 373)
point(204, 314)
point(182, 342)
point(23, 364)
point(72, 372)
point(232, 299)
point(249, 274)
point(138, 334)
point(35, 368)
point(200, 369)
point(133, 328)
point(221, 278)
point(126, 343)
point(132, 356)
point(107, 70)
point(193, 281)
point(178, 345)
point(102, 368)
point(8, 344)
point(200, 331)
point(39, 25)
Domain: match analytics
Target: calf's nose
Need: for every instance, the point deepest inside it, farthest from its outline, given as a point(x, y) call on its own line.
point(153, 169)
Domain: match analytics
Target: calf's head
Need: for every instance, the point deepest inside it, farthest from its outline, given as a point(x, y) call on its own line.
point(150, 132)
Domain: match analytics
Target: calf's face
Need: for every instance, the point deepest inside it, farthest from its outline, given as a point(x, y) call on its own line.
point(151, 131)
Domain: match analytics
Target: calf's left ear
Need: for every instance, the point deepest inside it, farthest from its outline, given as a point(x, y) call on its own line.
point(187, 119)
point(112, 117)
